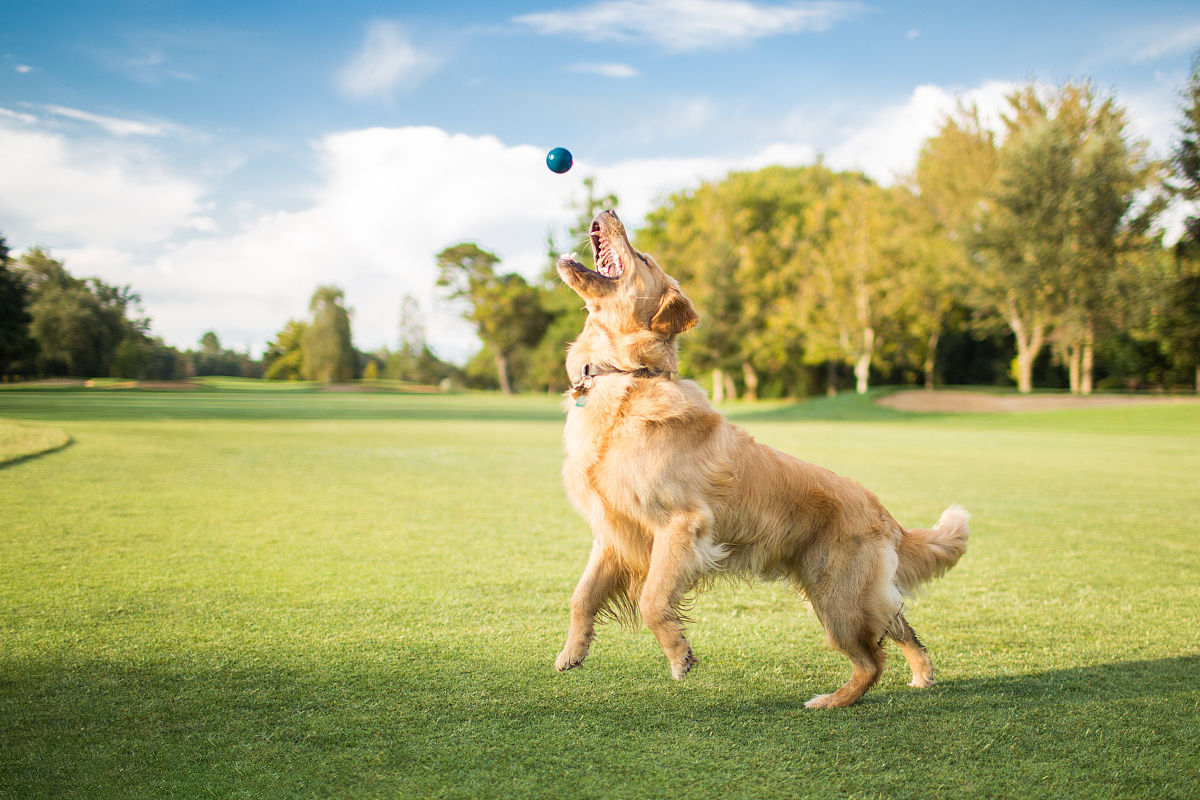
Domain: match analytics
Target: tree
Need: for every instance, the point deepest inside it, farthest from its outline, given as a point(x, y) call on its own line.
point(842, 305)
point(214, 359)
point(1056, 220)
point(77, 324)
point(132, 357)
point(954, 169)
point(414, 361)
point(505, 309)
point(328, 353)
point(16, 346)
point(284, 356)
point(1185, 159)
point(735, 246)
point(694, 235)
point(1183, 307)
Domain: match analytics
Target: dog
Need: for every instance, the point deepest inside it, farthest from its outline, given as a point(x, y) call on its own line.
point(674, 493)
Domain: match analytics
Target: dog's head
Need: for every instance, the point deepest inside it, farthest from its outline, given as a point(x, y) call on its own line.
point(627, 293)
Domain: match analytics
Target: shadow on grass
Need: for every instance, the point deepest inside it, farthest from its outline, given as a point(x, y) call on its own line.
point(425, 724)
point(21, 459)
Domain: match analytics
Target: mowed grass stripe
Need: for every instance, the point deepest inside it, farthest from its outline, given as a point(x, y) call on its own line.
point(296, 594)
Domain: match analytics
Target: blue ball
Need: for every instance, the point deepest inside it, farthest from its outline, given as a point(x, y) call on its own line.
point(559, 160)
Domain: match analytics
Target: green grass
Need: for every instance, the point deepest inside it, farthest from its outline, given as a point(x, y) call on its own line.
point(297, 594)
point(19, 441)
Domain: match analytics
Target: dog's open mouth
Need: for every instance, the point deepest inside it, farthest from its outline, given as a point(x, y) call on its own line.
point(604, 255)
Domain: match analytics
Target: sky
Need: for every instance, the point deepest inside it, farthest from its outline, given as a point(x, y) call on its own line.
point(226, 158)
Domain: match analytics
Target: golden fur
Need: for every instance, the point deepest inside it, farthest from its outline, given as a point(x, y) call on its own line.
point(675, 493)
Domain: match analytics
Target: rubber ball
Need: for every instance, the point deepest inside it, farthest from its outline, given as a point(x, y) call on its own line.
point(559, 160)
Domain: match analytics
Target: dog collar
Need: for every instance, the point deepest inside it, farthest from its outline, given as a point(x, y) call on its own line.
point(587, 379)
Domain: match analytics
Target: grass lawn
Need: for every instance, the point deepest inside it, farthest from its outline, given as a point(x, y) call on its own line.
point(19, 441)
point(239, 593)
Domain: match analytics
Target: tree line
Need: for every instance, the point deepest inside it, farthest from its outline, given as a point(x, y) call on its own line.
point(1029, 255)
point(54, 324)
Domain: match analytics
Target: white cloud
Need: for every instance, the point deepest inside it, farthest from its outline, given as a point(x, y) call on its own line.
point(605, 70)
point(23, 69)
point(113, 125)
point(19, 116)
point(684, 25)
point(885, 144)
point(388, 201)
point(387, 61)
point(70, 193)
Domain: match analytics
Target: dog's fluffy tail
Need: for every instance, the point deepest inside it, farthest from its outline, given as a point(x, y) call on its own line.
point(926, 553)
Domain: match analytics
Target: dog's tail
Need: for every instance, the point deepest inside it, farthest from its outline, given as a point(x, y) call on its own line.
point(926, 553)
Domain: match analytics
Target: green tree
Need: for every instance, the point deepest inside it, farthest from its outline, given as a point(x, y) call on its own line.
point(954, 170)
point(504, 308)
point(132, 357)
point(76, 323)
point(858, 244)
point(328, 354)
point(1108, 231)
point(735, 245)
point(1057, 220)
point(214, 359)
point(694, 235)
point(16, 346)
point(284, 355)
point(1182, 310)
point(1185, 161)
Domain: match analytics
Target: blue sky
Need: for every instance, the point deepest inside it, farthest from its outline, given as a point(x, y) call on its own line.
point(226, 158)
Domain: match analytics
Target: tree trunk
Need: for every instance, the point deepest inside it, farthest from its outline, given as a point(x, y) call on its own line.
point(1198, 375)
point(1073, 359)
point(931, 359)
point(730, 387)
point(1089, 359)
point(862, 365)
point(831, 378)
point(718, 385)
point(502, 373)
point(751, 378)
point(1029, 343)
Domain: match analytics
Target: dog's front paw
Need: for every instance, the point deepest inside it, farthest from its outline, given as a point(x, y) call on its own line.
point(684, 666)
point(567, 660)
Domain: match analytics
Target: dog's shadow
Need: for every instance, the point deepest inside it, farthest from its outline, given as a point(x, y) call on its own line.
point(1118, 682)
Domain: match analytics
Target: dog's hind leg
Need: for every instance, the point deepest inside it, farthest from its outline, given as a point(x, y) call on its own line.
point(914, 652)
point(602, 580)
point(675, 563)
point(856, 607)
point(866, 660)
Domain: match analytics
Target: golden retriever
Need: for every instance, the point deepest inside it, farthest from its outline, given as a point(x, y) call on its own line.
point(674, 493)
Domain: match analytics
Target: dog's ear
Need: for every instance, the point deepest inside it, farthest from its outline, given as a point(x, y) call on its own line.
point(675, 313)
